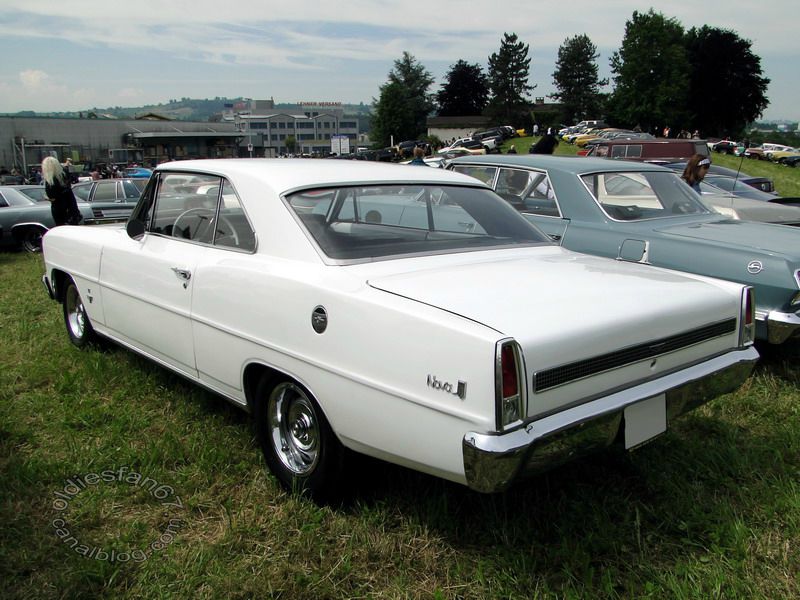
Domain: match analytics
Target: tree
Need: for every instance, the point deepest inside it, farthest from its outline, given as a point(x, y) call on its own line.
point(651, 73)
point(291, 144)
point(466, 91)
point(392, 116)
point(576, 79)
point(508, 80)
point(726, 86)
point(416, 80)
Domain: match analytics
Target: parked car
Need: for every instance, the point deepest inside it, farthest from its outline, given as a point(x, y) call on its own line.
point(724, 146)
point(23, 221)
point(405, 313)
point(137, 173)
point(765, 184)
point(649, 150)
point(790, 161)
point(491, 141)
point(111, 199)
point(780, 156)
point(469, 143)
point(746, 209)
point(34, 192)
point(646, 213)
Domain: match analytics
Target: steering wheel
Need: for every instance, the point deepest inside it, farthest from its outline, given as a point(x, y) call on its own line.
point(205, 217)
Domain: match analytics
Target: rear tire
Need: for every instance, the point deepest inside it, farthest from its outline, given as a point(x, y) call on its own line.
point(298, 443)
point(79, 328)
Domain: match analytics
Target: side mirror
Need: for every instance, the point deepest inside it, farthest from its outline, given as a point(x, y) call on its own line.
point(135, 228)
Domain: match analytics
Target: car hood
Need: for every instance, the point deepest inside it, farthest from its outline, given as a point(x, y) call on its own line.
point(551, 294)
point(768, 237)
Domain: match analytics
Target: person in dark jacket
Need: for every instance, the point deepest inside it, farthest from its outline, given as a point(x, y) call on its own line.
point(63, 205)
point(546, 145)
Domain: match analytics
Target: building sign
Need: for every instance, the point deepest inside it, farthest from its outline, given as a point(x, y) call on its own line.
point(340, 144)
point(320, 104)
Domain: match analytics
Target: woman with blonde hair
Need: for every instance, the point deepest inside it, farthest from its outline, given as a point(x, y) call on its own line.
point(696, 168)
point(63, 205)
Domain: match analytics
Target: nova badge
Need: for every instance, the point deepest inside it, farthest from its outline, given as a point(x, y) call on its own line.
point(459, 390)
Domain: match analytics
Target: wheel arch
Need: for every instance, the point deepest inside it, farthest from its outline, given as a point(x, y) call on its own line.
point(255, 371)
point(58, 279)
point(18, 230)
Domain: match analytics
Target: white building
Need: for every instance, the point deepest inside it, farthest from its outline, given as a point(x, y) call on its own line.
point(265, 129)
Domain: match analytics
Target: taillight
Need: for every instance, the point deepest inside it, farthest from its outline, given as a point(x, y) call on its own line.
point(796, 299)
point(747, 330)
point(509, 368)
point(509, 384)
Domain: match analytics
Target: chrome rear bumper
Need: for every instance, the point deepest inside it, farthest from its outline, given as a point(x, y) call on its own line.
point(780, 325)
point(493, 461)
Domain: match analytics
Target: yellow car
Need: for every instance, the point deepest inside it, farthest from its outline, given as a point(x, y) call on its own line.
point(777, 155)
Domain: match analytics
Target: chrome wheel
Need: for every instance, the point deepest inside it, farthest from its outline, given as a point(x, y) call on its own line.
point(76, 314)
point(32, 239)
point(294, 428)
point(79, 327)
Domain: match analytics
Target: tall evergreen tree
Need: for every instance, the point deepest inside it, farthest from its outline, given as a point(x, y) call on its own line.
point(726, 87)
point(576, 79)
point(392, 116)
point(416, 80)
point(650, 73)
point(466, 91)
point(509, 69)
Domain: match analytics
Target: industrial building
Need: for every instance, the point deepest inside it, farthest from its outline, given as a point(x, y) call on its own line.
point(249, 128)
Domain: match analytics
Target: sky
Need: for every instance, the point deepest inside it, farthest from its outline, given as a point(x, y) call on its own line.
point(80, 54)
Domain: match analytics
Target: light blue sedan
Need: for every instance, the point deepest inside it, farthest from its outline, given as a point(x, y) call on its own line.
point(645, 213)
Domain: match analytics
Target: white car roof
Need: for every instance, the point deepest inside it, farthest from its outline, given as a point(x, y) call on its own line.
point(286, 174)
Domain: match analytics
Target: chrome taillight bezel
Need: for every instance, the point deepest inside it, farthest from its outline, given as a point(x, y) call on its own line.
point(504, 419)
point(796, 300)
point(747, 317)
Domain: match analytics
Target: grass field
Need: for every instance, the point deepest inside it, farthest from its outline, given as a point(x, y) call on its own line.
point(787, 180)
point(120, 480)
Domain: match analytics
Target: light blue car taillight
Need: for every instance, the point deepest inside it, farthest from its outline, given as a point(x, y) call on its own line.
point(747, 319)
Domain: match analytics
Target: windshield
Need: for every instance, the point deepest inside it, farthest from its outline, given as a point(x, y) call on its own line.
point(367, 222)
point(637, 195)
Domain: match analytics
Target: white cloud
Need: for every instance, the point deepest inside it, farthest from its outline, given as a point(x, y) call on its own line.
point(314, 39)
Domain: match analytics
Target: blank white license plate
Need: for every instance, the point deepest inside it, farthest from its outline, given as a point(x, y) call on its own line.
point(645, 420)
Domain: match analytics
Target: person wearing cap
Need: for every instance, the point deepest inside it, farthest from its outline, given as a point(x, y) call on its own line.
point(695, 171)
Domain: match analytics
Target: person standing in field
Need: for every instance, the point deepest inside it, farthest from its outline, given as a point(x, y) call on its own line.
point(63, 205)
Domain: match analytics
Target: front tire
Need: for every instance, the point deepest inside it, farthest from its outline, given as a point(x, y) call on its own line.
point(299, 445)
point(79, 328)
point(31, 239)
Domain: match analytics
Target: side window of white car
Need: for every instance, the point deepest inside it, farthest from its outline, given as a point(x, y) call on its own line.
point(232, 229)
point(181, 212)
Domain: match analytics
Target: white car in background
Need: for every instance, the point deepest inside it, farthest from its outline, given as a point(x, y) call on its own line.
point(405, 313)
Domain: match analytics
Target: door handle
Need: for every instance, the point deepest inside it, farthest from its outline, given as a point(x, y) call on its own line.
point(555, 237)
point(184, 274)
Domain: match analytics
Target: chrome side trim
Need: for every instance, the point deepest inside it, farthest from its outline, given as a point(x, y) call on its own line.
point(493, 461)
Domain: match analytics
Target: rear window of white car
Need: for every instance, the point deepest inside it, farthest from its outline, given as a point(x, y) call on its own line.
point(367, 222)
point(638, 195)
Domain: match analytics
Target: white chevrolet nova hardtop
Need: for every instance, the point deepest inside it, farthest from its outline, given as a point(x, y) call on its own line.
point(402, 312)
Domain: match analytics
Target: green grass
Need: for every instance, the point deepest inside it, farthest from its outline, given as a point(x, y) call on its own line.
point(787, 180)
point(709, 510)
